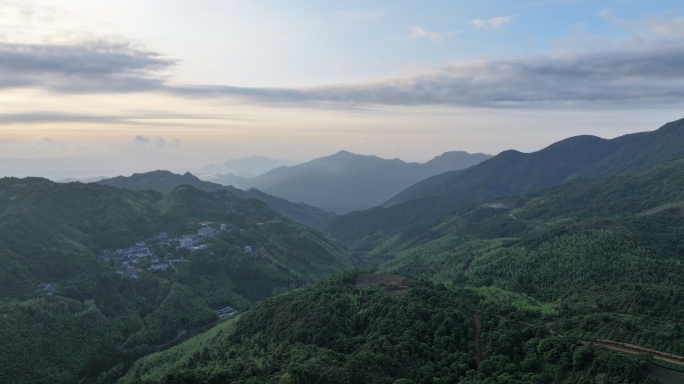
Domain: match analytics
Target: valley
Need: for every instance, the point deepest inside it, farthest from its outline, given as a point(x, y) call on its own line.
point(575, 279)
point(327, 192)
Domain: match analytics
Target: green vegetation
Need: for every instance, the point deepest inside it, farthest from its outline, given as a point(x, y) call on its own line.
point(512, 172)
point(97, 322)
point(164, 181)
point(644, 315)
point(660, 146)
point(568, 237)
point(536, 291)
point(598, 258)
point(335, 332)
point(507, 173)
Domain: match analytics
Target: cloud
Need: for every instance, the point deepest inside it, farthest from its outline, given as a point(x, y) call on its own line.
point(492, 24)
point(645, 71)
point(437, 37)
point(139, 118)
point(145, 143)
point(668, 26)
point(641, 75)
point(91, 66)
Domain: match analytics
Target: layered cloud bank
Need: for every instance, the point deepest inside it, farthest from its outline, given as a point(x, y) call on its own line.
point(91, 67)
point(644, 74)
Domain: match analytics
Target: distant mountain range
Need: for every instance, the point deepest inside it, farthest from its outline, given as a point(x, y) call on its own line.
point(512, 172)
point(245, 167)
point(83, 180)
point(346, 182)
point(164, 181)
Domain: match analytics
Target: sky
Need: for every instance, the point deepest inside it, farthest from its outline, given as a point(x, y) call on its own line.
point(138, 85)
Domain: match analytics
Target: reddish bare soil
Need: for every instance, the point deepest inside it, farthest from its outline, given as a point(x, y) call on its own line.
point(395, 283)
point(679, 212)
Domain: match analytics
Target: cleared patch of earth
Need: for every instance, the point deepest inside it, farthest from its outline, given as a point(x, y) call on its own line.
point(395, 283)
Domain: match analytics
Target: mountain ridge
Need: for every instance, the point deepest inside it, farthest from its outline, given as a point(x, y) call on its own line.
point(513, 172)
point(344, 181)
point(163, 181)
point(244, 167)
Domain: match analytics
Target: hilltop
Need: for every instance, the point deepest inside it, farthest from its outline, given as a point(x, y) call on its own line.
point(163, 181)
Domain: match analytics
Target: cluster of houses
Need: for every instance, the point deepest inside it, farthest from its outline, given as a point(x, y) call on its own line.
point(226, 312)
point(127, 259)
point(192, 241)
point(494, 205)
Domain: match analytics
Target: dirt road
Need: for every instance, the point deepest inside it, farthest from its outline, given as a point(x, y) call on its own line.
point(476, 338)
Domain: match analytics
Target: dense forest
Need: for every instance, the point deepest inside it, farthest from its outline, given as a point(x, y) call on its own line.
point(96, 322)
point(339, 332)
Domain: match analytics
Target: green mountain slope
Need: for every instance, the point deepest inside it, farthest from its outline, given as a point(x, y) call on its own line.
point(621, 237)
point(513, 172)
point(662, 145)
point(95, 321)
point(163, 181)
point(342, 331)
point(635, 215)
point(507, 173)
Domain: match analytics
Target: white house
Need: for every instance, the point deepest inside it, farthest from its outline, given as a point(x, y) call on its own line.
point(160, 266)
point(185, 242)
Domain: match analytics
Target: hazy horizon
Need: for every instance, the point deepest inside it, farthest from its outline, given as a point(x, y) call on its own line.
point(176, 83)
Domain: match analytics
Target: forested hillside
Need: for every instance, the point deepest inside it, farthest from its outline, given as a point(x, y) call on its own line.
point(603, 256)
point(91, 317)
point(662, 145)
point(351, 330)
point(624, 219)
point(512, 172)
point(578, 282)
point(164, 181)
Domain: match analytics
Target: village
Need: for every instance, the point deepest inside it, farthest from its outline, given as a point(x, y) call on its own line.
point(226, 312)
point(128, 261)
